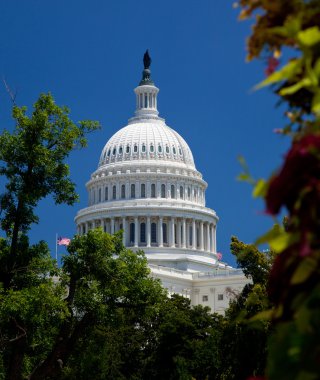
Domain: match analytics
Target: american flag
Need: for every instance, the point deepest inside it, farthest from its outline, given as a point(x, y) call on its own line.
point(63, 241)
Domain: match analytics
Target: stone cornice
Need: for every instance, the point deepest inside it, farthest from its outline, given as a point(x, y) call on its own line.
point(136, 207)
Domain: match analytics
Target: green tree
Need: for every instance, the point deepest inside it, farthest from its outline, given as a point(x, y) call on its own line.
point(185, 342)
point(243, 344)
point(32, 160)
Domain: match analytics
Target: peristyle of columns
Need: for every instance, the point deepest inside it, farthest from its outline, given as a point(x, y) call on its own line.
point(178, 234)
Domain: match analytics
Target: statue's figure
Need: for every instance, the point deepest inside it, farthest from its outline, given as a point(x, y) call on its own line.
point(146, 60)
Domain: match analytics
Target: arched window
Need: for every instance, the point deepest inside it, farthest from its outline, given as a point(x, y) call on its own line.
point(109, 152)
point(123, 191)
point(145, 101)
point(159, 148)
point(135, 148)
point(180, 151)
point(132, 232)
point(143, 149)
point(99, 195)
point(175, 234)
point(173, 192)
point(190, 235)
point(142, 232)
point(181, 192)
point(143, 190)
point(153, 232)
point(164, 233)
point(120, 150)
point(163, 191)
point(114, 192)
point(189, 192)
point(114, 151)
point(151, 148)
point(167, 149)
point(128, 149)
point(174, 150)
point(133, 191)
point(106, 193)
point(153, 190)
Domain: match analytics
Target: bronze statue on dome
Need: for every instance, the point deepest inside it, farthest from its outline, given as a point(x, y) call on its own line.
point(146, 60)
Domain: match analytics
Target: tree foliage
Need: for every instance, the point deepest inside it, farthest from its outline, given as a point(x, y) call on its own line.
point(32, 159)
point(293, 28)
point(242, 347)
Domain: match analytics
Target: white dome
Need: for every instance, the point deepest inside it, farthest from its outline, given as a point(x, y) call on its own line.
point(147, 140)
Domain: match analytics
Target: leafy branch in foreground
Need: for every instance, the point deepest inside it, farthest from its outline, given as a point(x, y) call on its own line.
point(291, 27)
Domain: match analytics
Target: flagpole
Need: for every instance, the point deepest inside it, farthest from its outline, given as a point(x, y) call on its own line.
point(57, 247)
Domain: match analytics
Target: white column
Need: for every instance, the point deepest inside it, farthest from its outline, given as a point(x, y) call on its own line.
point(160, 232)
point(184, 233)
point(172, 242)
point(215, 238)
point(179, 233)
point(212, 238)
point(112, 226)
point(148, 232)
point(187, 235)
point(201, 236)
point(208, 237)
point(136, 225)
point(102, 224)
point(124, 241)
point(194, 235)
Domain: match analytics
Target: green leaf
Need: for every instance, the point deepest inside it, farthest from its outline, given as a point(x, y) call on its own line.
point(277, 238)
point(316, 103)
point(265, 315)
point(305, 82)
point(304, 270)
point(260, 188)
point(285, 73)
point(290, 29)
point(310, 36)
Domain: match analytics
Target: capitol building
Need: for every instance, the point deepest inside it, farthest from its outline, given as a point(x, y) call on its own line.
point(147, 185)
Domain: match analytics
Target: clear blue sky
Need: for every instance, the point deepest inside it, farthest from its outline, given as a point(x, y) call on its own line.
point(88, 54)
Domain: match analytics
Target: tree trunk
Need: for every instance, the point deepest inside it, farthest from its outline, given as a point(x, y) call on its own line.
point(16, 360)
point(52, 365)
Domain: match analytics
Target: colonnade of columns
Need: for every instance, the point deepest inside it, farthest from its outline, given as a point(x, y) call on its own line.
point(149, 231)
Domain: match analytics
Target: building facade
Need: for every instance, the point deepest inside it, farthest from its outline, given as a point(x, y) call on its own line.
point(147, 185)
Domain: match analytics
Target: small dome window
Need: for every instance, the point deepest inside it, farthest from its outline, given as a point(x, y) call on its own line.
point(151, 148)
point(109, 152)
point(135, 148)
point(159, 148)
point(143, 149)
point(180, 151)
point(114, 151)
point(120, 150)
point(174, 150)
point(128, 149)
point(167, 149)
